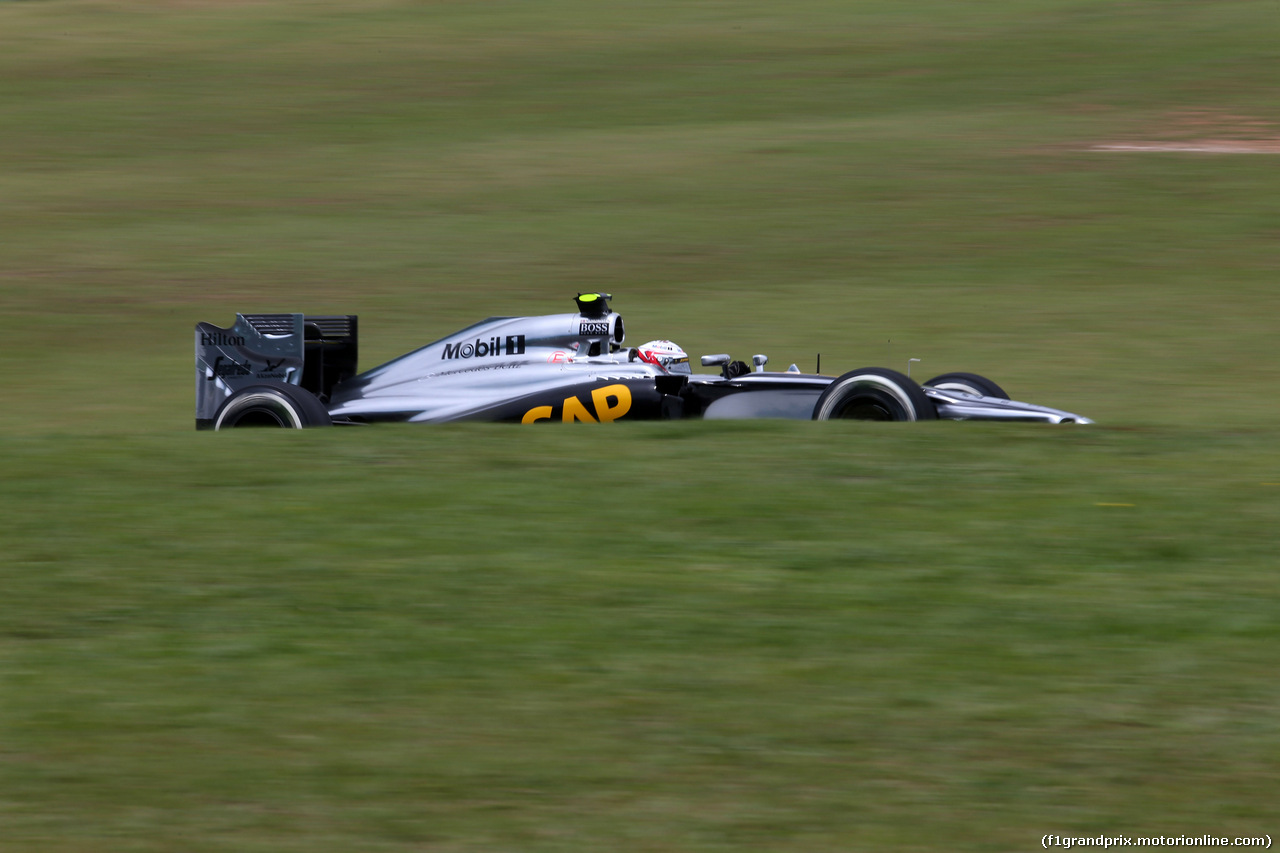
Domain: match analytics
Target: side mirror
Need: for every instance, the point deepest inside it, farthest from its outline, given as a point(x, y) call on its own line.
point(759, 361)
point(718, 360)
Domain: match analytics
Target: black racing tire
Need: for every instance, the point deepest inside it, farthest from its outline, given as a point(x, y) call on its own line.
point(967, 383)
point(874, 394)
point(272, 404)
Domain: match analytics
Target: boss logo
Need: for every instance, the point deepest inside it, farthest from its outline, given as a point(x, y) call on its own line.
point(593, 329)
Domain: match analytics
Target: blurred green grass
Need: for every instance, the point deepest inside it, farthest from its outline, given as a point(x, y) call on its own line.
point(666, 636)
point(441, 638)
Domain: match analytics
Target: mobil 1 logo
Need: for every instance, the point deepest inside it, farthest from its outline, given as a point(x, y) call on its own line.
point(481, 348)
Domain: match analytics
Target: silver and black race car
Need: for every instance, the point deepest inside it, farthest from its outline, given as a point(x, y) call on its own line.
point(299, 370)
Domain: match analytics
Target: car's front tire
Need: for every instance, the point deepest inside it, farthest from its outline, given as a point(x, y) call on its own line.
point(272, 404)
point(874, 394)
point(967, 383)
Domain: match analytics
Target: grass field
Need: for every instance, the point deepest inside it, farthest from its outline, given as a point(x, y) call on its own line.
point(651, 637)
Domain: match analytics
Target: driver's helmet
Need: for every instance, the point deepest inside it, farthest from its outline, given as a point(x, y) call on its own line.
point(665, 355)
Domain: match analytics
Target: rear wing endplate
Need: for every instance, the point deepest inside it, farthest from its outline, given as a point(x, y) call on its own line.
point(313, 352)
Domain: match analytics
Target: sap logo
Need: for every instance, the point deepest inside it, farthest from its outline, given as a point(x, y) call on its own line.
point(220, 339)
point(609, 402)
point(511, 345)
point(593, 328)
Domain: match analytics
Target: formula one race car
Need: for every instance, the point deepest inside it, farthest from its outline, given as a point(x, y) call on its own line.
point(298, 370)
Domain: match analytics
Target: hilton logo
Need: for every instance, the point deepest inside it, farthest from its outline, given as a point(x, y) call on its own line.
point(220, 339)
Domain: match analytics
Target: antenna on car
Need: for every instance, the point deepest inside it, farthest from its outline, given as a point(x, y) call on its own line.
point(818, 369)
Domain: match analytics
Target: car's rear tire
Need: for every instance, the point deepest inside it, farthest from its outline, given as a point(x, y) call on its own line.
point(272, 404)
point(967, 383)
point(874, 394)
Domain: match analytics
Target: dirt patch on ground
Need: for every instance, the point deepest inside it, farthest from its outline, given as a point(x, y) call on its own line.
point(1205, 132)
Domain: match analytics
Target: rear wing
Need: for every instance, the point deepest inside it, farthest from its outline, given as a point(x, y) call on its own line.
point(313, 352)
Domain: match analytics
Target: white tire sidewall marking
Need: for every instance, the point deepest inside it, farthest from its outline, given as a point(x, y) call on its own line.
point(959, 386)
point(879, 382)
point(276, 402)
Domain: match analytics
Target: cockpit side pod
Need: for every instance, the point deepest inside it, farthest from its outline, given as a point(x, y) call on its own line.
point(313, 352)
point(755, 395)
point(492, 343)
